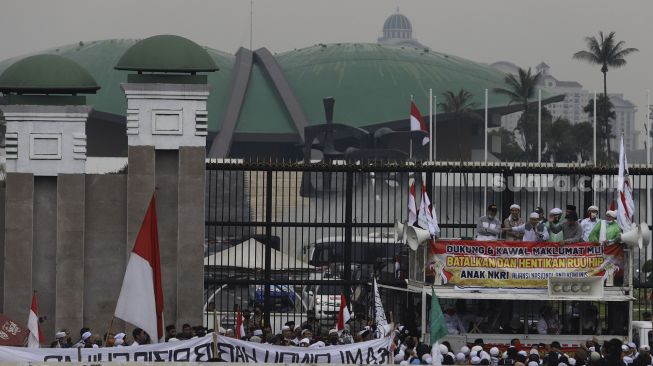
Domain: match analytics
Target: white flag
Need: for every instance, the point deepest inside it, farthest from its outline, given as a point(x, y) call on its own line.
point(412, 205)
point(379, 313)
point(625, 204)
point(427, 218)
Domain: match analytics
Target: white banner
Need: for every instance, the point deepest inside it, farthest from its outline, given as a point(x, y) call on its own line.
point(201, 349)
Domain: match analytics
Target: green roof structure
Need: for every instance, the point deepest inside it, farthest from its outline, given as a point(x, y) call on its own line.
point(46, 74)
point(166, 53)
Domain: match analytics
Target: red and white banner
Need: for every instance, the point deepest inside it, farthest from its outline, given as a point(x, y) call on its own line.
point(500, 264)
point(141, 296)
point(343, 314)
point(374, 352)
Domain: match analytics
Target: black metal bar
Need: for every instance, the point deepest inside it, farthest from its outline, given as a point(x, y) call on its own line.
point(268, 247)
point(349, 195)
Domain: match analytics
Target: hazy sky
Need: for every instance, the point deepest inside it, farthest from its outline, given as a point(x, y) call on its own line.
point(522, 31)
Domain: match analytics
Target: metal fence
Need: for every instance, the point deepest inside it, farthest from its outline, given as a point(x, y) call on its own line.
point(284, 241)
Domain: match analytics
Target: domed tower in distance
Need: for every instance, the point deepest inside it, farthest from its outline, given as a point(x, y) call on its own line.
point(397, 30)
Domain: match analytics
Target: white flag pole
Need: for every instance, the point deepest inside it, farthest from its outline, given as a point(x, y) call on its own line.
point(539, 126)
point(486, 125)
point(647, 128)
point(435, 116)
point(595, 127)
point(410, 135)
point(430, 124)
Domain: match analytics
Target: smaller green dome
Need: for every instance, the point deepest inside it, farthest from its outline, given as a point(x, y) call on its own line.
point(47, 74)
point(166, 53)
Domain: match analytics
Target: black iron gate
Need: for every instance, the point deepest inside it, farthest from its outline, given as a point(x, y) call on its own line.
point(285, 241)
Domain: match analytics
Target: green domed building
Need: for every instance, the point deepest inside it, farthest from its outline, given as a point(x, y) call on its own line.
point(261, 102)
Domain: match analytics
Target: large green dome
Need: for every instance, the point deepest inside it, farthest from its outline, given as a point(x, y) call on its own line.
point(46, 74)
point(166, 53)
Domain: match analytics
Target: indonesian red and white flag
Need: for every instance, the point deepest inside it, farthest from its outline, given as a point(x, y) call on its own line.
point(343, 314)
point(240, 325)
point(141, 296)
point(427, 218)
point(35, 336)
point(412, 203)
point(625, 204)
point(417, 122)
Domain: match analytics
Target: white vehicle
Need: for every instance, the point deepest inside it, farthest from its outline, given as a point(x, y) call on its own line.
point(324, 300)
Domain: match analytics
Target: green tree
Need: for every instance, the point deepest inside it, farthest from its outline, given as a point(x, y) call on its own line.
point(521, 88)
point(510, 149)
point(462, 107)
point(604, 132)
point(607, 52)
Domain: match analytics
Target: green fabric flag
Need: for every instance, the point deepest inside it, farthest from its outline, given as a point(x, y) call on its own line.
point(438, 326)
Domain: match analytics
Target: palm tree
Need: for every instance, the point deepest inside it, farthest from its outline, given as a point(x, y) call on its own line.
point(607, 52)
point(521, 88)
point(461, 106)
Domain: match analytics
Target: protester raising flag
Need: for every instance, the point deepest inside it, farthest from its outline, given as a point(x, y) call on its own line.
point(417, 123)
point(35, 336)
point(438, 327)
point(379, 312)
point(141, 296)
point(343, 314)
point(625, 204)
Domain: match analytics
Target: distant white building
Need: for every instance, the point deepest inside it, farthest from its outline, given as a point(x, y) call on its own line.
point(576, 98)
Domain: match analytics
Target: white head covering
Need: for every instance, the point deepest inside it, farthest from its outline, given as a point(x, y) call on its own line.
point(533, 363)
point(534, 351)
point(595, 356)
point(305, 340)
point(494, 351)
point(624, 348)
point(399, 356)
point(258, 332)
point(473, 354)
point(477, 348)
point(285, 328)
point(514, 205)
point(255, 339)
point(632, 345)
point(464, 350)
point(119, 336)
point(645, 348)
point(534, 215)
point(460, 357)
point(555, 211)
point(628, 360)
point(523, 353)
point(593, 208)
point(222, 331)
point(59, 335)
point(611, 213)
point(443, 349)
point(572, 361)
point(86, 335)
point(476, 360)
point(173, 339)
point(120, 342)
point(404, 362)
point(562, 363)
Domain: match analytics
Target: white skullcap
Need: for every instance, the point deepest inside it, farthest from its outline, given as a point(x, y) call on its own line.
point(514, 205)
point(632, 345)
point(485, 356)
point(443, 349)
point(592, 349)
point(464, 350)
point(523, 353)
point(222, 331)
point(533, 363)
point(59, 335)
point(428, 359)
point(628, 360)
point(333, 331)
point(624, 348)
point(86, 335)
point(534, 351)
point(404, 362)
point(476, 360)
point(611, 213)
point(460, 357)
point(255, 339)
point(473, 354)
point(562, 363)
point(645, 348)
point(399, 356)
point(119, 336)
point(173, 339)
point(305, 340)
point(258, 332)
point(494, 351)
point(285, 328)
point(477, 348)
point(595, 356)
point(572, 361)
point(593, 208)
point(534, 215)
point(120, 342)
point(298, 327)
point(555, 211)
